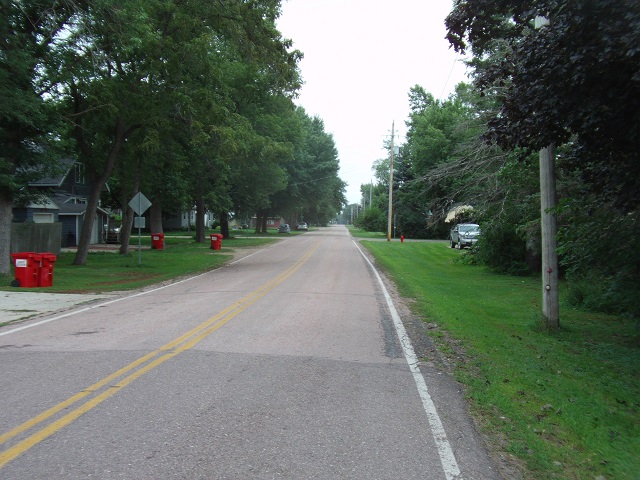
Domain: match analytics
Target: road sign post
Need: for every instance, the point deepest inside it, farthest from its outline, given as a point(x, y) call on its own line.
point(139, 203)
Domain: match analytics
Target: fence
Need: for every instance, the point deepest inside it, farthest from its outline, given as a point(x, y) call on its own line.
point(36, 237)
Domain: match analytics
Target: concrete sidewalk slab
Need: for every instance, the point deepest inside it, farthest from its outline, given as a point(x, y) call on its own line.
point(21, 305)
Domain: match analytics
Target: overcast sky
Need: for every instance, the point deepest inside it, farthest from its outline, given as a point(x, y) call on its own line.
point(361, 57)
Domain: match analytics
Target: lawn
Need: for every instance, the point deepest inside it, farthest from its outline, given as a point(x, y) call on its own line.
point(109, 271)
point(564, 403)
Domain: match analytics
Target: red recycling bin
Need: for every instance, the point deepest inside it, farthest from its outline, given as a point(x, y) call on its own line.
point(45, 274)
point(216, 241)
point(27, 267)
point(157, 241)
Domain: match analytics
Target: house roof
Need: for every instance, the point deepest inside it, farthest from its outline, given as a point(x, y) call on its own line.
point(68, 206)
point(64, 166)
point(45, 203)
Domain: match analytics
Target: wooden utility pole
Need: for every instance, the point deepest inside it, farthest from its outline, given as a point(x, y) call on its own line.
point(390, 185)
point(549, 228)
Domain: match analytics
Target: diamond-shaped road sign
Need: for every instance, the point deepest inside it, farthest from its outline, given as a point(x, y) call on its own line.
point(140, 203)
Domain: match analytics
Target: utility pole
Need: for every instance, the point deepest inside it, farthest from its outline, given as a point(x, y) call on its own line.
point(390, 185)
point(549, 228)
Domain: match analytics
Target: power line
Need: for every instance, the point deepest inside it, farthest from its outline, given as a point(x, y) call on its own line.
point(449, 77)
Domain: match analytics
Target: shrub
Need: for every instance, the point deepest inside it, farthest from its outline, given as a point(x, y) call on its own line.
point(372, 220)
point(502, 249)
point(600, 248)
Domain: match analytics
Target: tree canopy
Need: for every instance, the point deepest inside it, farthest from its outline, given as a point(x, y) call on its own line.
point(192, 101)
point(575, 83)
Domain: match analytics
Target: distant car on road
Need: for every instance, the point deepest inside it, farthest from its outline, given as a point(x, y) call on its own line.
point(303, 226)
point(284, 228)
point(464, 235)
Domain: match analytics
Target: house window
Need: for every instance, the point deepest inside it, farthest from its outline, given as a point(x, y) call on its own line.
point(79, 169)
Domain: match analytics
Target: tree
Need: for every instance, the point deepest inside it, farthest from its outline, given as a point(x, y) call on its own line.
point(136, 66)
point(106, 90)
point(314, 174)
point(429, 173)
point(265, 131)
point(315, 192)
point(372, 219)
point(555, 86)
point(27, 32)
point(557, 83)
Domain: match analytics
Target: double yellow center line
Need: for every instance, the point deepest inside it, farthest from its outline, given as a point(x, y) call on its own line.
point(110, 385)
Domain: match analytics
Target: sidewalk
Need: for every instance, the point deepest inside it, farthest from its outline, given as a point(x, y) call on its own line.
point(106, 247)
point(22, 304)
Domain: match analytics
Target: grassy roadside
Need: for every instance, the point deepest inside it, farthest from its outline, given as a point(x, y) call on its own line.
point(564, 403)
point(109, 271)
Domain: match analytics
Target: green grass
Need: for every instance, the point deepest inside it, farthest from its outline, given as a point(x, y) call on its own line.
point(109, 271)
point(359, 233)
point(566, 402)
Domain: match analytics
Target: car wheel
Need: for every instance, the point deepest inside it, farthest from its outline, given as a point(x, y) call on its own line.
point(459, 246)
point(453, 245)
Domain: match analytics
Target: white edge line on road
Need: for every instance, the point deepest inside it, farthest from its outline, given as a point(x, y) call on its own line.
point(447, 458)
point(103, 304)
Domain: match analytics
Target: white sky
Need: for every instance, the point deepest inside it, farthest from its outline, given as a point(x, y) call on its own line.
point(361, 57)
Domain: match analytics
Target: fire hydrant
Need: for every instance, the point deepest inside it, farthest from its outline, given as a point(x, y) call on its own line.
point(401, 238)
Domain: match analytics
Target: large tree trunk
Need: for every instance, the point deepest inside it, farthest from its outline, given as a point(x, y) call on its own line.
point(98, 180)
point(200, 226)
point(224, 224)
point(265, 217)
point(127, 211)
point(89, 218)
point(6, 215)
point(155, 218)
point(258, 221)
point(125, 229)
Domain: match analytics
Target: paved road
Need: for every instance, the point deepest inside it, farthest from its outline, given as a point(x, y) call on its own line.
point(286, 364)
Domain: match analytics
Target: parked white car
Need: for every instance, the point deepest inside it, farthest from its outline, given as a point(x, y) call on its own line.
point(464, 235)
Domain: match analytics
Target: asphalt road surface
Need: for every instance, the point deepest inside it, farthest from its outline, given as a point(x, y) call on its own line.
point(290, 363)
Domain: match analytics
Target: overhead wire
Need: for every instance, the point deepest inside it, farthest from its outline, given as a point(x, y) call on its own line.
point(449, 77)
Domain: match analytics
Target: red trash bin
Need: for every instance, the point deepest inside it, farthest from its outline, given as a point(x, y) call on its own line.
point(157, 241)
point(27, 267)
point(216, 241)
point(45, 274)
